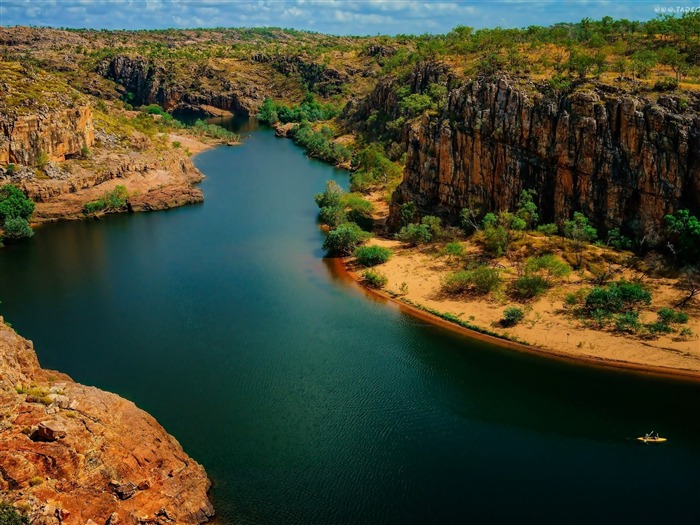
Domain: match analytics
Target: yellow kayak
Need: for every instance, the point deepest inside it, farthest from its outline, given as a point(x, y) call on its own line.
point(648, 439)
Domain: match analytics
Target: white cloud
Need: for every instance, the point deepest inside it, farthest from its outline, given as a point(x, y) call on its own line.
point(332, 16)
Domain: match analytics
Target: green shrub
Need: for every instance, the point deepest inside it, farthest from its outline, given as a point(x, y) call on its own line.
point(11, 516)
point(671, 316)
point(13, 204)
point(457, 282)
point(213, 131)
point(331, 195)
point(528, 286)
point(480, 280)
point(666, 84)
point(619, 241)
point(500, 230)
point(375, 279)
point(512, 316)
point(579, 232)
point(434, 225)
point(621, 296)
point(548, 267)
point(686, 333)
point(17, 228)
point(345, 239)
point(309, 110)
point(527, 209)
point(11, 169)
point(414, 234)
point(111, 200)
point(683, 231)
point(85, 152)
point(453, 250)
point(177, 144)
point(408, 213)
point(319, 144)
point(359, 210)
point(372, 255)
point(657, 328)
point(627, 322)
point(548, 229)
point(333, 216)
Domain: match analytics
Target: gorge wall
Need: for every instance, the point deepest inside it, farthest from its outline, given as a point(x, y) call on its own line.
point(150, 83)
point(621, 160)
point(78, 455)
point(58, 134)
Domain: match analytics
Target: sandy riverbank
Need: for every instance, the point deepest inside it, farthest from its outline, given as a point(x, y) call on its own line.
point(546, 329)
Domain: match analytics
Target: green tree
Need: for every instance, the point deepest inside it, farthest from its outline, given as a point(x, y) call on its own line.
point(17, 228)
point(683, 232)
point(527, 209)
point(414, 234)
point(13, 203)
point(345, 239)
point(408, 213)
point(579, 232)
point(333, 216)
point(500, 230)
point(331, 195)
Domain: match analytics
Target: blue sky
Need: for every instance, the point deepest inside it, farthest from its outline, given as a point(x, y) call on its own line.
point(368, 17)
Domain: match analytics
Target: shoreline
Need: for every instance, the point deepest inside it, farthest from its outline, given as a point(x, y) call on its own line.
point(340, 266)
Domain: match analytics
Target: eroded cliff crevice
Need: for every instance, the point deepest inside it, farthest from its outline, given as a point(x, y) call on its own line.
point(622, 160)
point(75, 454)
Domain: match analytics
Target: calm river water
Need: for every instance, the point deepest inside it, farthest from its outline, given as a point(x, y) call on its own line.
point(308, 402)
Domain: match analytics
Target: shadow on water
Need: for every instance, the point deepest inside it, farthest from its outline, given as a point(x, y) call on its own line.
point(307, 402)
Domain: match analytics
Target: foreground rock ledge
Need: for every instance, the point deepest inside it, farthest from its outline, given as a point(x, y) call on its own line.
point(76, 454)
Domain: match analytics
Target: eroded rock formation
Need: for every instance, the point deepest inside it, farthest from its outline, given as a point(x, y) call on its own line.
point(154, 84)
point(622, 160)
point(55, 134)
point(71, 453)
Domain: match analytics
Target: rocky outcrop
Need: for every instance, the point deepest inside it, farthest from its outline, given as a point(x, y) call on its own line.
point(154, 181)
point(75, 454)
point(317, 78)
point(55, 134)
point(150, 83)
point(622, 160)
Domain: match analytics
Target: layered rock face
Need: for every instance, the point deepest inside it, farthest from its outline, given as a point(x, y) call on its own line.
point(77, 455)
point(152, 84)
point(56, 134)
point(622, 161)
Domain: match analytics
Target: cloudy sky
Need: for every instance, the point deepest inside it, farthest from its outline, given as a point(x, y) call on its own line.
point(357, 17)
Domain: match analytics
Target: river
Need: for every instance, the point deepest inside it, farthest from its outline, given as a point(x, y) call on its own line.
point(310, 403)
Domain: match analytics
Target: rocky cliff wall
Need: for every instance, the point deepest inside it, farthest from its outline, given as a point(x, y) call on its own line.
point(74, 454)
point(622, 160)
point(57, 134)
point(155, 84)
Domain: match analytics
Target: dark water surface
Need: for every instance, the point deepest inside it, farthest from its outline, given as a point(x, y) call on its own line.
point(309, 403)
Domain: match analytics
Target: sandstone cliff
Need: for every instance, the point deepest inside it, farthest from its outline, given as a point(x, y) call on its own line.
point(57, 134)
point(151, 83)
point(75, 454)
point(622, 160)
